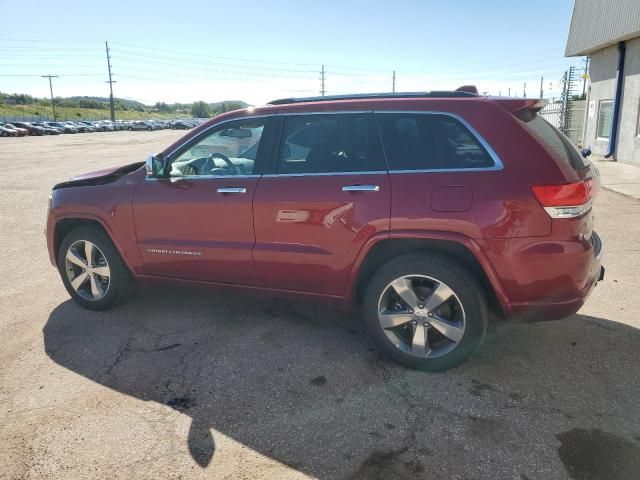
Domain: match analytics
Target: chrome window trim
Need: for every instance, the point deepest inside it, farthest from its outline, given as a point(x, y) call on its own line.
point(326, 112)
point(324, 174)
point(497, 161)
point(497, 166)
point(268, 115)
point(206, 177)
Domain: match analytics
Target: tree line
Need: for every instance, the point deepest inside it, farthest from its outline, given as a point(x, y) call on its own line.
point(199, 109)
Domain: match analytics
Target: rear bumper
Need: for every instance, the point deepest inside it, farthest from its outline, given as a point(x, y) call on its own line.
point(563, 305)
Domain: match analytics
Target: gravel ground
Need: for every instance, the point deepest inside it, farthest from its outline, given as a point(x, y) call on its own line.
point(183, 383)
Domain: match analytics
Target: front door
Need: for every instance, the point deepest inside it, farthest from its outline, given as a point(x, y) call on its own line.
point(330, 194)
point(197, 223)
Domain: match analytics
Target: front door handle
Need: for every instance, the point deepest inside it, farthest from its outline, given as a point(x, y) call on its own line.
point(361, 188)
point(232, 190)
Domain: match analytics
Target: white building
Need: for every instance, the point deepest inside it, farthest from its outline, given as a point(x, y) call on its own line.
point(608, 31)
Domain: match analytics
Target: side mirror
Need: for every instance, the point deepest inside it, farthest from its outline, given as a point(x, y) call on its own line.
point(154, 165)
point(585, 152)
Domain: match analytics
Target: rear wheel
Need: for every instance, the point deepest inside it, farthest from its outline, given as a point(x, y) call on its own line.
point(425, 311)
point(92, 270)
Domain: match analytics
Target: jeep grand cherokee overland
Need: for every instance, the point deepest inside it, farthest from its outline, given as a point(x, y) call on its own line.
point(428, 210)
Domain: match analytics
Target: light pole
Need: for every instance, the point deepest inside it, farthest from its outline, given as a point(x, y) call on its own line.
point(53, 104)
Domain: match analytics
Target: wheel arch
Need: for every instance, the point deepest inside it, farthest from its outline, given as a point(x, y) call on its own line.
point(66, 224)
point(455, 247)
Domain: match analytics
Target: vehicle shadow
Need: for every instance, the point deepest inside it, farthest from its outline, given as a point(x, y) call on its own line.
point(301, 383)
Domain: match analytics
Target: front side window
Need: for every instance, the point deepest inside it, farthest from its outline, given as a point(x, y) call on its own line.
point(229, 150)
point(604, 118)
point(430, 142)
point(327, 143)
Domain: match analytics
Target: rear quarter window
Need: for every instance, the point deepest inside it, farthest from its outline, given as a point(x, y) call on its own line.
point(414, 141)
point(556, 141)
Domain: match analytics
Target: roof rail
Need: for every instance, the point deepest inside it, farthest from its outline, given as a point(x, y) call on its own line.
point(365, 96)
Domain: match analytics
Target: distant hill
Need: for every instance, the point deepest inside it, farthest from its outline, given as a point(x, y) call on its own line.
point(123, 101)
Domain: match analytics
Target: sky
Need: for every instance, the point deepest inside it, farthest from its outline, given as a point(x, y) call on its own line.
point(181, 51)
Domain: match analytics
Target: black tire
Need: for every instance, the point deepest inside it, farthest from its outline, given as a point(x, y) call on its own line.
point(465, 286)
point(121, 282)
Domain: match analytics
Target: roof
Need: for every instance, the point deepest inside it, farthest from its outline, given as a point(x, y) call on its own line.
point(596, 24)
point(370, 96)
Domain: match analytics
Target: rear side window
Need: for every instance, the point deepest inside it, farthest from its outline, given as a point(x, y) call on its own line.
point(326, 143)
point(414, 141)
point(556, 141)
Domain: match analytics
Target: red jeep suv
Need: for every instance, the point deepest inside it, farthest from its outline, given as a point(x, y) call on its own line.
point(429, 210)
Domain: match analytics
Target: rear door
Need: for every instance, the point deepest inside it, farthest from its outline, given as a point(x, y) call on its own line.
point(197, 224)
point(444, 177)
point(329, 195)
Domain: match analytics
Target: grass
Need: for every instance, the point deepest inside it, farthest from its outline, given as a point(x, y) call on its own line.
point(35, 111)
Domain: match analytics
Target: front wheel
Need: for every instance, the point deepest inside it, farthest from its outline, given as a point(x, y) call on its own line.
point(425, 311)
point(91, 269)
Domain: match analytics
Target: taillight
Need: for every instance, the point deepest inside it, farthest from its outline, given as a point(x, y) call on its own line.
point(566, 200)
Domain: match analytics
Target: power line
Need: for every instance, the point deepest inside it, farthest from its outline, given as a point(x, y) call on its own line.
point(170, 60)
point(60, 75)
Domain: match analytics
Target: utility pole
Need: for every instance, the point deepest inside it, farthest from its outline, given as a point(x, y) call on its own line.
point(509, 92)
point(393, 83)
point(585, 75)
point(524, 91)
point(322, 91)
point(541, 87)
point(53, 103)
point(110, 82)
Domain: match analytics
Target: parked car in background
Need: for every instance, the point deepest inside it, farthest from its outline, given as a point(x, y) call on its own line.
point(33, 129)
point(80, 127)
point(181, 125)
point(47, 129)
point(139, 125)
point(428, 211)
point(8, 132)
point(111, 126)
point(22, 132)
point(63, 127)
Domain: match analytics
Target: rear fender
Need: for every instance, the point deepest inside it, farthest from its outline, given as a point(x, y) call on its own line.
point(472, 245)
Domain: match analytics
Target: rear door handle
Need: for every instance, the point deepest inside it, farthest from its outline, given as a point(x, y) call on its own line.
point(232, 190)
point(361, 188)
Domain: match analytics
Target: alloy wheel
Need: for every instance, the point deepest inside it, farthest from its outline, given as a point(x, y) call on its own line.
point(421, 316)
point(87, 270)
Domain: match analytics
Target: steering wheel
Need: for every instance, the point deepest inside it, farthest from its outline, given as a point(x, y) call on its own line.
point(226, 160)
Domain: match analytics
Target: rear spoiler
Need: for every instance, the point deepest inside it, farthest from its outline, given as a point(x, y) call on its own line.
point(523, 108)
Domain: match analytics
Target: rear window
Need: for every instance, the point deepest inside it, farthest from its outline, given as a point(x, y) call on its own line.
point(414, 141)
point(556, 141)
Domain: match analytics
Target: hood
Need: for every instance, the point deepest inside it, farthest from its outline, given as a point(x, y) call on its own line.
point(97, 173)
point(99, 177)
